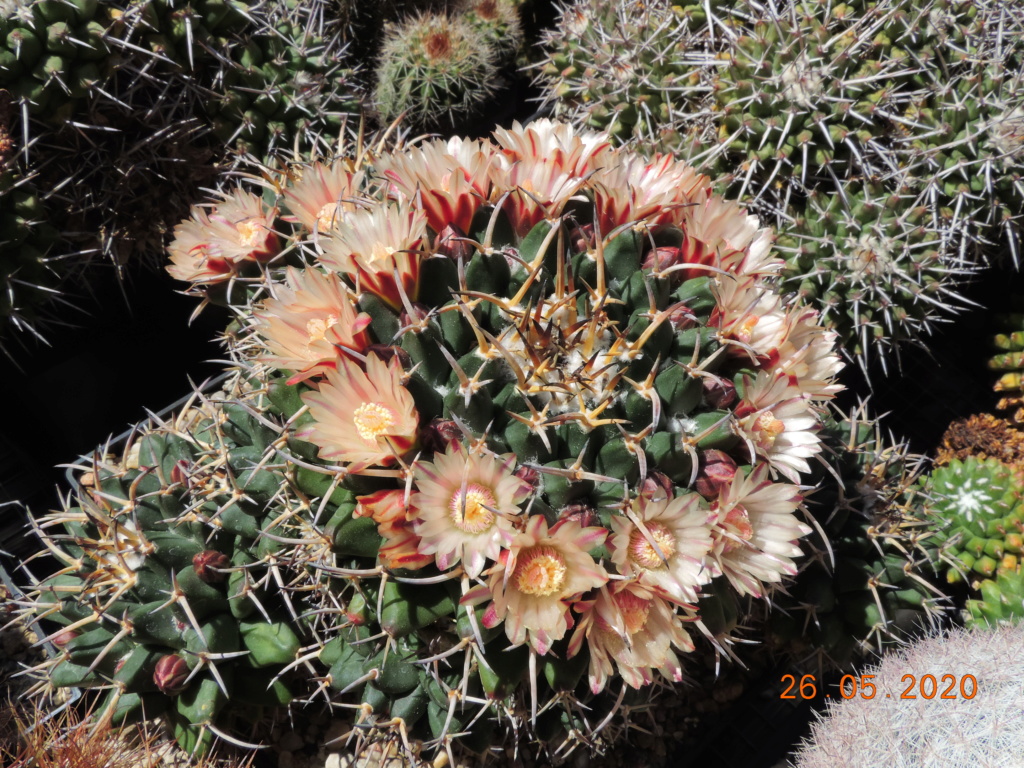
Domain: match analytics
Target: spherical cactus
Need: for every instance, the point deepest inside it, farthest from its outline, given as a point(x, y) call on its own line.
point(871, 582)
point(873, 261)
point(999, 601)
point(628, 68)
point(435, 69)
point(552, 414)
point(1009, 363)
point(166, 599)
point(975, 720)
point(974, 507)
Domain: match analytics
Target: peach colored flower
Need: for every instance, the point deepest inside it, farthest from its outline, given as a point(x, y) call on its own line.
point(448, 181)
point(211, 246)
point(310, 323)
point(323, 195)
point(755, 530)
point(633, 629)
point(363, 418)
point(379, 249)
point(389, 511)
point(464, 506)
point(663, 543)
point(748, 313)
point(536, 579)
point(721, 233)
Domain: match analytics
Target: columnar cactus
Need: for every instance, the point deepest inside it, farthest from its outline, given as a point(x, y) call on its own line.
point(555, 408)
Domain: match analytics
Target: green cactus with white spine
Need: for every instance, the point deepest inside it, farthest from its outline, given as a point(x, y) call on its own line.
point(975, 508)
point(1000, 601)
point(527, 365)
point(783, 105)
point(166, 599)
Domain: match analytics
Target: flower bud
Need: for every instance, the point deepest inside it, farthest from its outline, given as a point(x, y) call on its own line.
point(528, 475)
point(180, 473)
point(583, 514)
point(658, 259)
point(64, 637)
point(439, 434)
point(209, 565)
point(170, 674)
point(718, 393)
point(582, 238)
point(681, 318)
point(451, 243)
point(416, 318)
point(656, 487)
point(715, 471)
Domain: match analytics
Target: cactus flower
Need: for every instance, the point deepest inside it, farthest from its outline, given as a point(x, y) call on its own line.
point(324, 195)
point(754, 531)
point(465, 506)
point(662, 543)
point(379, 250)
point(310, 323)
point(363, 418)
point(536, 579)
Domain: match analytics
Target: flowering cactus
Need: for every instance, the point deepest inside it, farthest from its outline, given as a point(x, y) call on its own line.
point(536, 404)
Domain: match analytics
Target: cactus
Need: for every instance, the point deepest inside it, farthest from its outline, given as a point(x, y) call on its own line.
point(978, 724)
point(1000, 601)
point(548, 386)
point(1009, 360)
point(436, 69)
point(108, 99)
point(871, 582)
point(166, 600)
point(817, 114)
point(974, 507)
point(876, 265)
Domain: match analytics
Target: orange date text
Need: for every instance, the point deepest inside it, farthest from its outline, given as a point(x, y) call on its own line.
point(851, 686)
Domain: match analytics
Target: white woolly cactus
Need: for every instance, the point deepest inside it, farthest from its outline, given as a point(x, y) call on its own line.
point(986, 729)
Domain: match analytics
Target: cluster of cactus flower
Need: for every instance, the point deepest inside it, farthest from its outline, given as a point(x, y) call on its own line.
point(552, 390)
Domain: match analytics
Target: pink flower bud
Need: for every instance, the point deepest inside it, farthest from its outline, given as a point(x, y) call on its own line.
point(170, 674)
point(656, 487)
point(582, 238)
point(180, 473)
point(209, 566)
point(450, 243)
point(439, 434)
point(719, 393)
point(583, 514)
point(681, 317)
point(419, 314)
point(658, 259)
point(528, 475)
point(715, 472)
point(64, 637)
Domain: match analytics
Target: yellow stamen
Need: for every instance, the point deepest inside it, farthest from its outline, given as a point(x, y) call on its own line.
point(251, 232)
point(643, 552)
point(540, 571)
point(768, 428)
point(635, 611)
point(373, 420)
point(736, 529)
point(317, 327)
point(469, 513)
point(327, 216)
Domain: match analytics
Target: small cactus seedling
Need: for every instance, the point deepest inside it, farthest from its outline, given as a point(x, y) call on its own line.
point(551, 414)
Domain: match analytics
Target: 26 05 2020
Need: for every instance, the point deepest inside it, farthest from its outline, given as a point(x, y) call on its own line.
point(851, 686)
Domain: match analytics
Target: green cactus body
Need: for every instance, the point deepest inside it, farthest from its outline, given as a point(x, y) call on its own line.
point(434, 68)
point(874, 580)
point(546, 401)
point(975, 509)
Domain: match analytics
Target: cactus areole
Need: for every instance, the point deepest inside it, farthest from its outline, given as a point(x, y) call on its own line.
point(512, 413)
